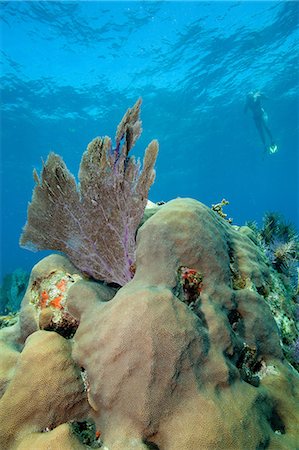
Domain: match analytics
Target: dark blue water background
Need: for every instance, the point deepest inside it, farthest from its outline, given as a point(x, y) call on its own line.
point(71, 69)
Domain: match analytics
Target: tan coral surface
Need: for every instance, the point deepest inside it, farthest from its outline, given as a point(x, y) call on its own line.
point(46, 390)
point(159, 372)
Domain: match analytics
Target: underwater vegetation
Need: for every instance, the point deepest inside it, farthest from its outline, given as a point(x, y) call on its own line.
point(280, 244)
point(94, 223)
point(12, 291)
point(180, 345)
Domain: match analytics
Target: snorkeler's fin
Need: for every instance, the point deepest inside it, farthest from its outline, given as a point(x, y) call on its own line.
point(273, 149)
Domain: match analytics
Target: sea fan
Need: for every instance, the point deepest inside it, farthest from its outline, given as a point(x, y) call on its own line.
point(94, 222)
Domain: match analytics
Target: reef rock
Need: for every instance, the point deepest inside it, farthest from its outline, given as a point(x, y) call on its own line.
point(187, 355)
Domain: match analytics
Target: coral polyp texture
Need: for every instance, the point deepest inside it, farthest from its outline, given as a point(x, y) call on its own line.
point(94, 223)
point(186, 355)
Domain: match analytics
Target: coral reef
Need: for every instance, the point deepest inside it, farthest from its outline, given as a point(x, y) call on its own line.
point(280, 244)
point(186, 355)
point(94, 223)
point(184, 341)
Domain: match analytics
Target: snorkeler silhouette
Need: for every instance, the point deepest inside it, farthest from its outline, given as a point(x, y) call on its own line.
point(260, 117)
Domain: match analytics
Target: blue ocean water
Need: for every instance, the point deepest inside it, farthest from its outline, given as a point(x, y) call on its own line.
point(71, 69)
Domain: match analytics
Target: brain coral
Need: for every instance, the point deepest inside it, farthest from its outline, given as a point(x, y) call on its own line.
point(161, 368)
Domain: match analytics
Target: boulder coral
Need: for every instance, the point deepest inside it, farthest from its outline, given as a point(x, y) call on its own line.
point(150, 368)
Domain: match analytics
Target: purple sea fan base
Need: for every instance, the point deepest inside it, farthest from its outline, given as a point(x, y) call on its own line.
point(94, 223)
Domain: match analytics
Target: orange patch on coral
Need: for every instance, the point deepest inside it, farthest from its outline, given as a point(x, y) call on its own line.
point(56, 302)
point(43, 299)
point(61, 285)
